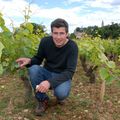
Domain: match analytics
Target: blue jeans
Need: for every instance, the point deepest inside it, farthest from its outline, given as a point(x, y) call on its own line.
point(38, 74)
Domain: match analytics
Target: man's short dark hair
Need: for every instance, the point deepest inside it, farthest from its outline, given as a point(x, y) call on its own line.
point(59, 23)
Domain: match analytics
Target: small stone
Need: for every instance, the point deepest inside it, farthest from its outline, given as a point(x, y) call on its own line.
point(74, 116)
point(25, 110)
point(80, 83)
point(37, 86)
point(119, 102)
point(2, 86)
point(54, 113)
point(86, 111)
point(19, 118)
point(26, 119)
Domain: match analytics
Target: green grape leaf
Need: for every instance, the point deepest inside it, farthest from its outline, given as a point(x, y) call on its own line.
point(109, 79)
point(1, 47)
point(1, 69)
point(102, 57)
point(104, 74)
point(111, 64)
point(29, 26)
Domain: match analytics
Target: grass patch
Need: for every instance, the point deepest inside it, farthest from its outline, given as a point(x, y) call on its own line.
point(4, 103)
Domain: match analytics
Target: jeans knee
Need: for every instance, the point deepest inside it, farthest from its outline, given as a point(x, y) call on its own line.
point(33, 71)
point(62, 91)
point(62, 95)
point(33, 68)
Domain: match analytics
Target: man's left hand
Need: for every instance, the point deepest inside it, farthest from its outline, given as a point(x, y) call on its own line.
point(43, 87)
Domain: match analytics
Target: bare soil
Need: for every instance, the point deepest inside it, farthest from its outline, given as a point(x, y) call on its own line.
point(82, 104)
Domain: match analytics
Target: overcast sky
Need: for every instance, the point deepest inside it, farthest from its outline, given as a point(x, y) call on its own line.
point(78, 13)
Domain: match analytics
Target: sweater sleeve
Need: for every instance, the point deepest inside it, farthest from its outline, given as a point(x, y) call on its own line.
point(38, 58)
point(68, 73)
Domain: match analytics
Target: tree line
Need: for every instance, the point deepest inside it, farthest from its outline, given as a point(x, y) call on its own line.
point(105, 32)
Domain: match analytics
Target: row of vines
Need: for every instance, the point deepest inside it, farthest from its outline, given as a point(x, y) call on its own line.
point(97, 56)
point(23, 42)
point(100, 59)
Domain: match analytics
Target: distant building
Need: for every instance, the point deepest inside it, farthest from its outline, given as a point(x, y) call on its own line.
point(78, 32)
point(102, 24)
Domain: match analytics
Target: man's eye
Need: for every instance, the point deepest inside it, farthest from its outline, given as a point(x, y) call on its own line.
point(61, 33)
point(55, 33)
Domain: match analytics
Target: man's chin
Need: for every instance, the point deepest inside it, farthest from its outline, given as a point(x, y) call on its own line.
point(59, 45)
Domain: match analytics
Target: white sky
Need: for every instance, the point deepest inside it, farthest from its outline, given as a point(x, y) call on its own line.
point(78, 13)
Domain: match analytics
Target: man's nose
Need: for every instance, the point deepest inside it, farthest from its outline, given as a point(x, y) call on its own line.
point(58, 35)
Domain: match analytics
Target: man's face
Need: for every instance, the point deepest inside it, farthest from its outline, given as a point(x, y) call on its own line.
point(59, 36)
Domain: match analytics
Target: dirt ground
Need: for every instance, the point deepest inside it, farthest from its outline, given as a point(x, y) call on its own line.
point(82, 104)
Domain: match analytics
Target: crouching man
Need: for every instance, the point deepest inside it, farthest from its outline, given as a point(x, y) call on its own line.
point(60, 59)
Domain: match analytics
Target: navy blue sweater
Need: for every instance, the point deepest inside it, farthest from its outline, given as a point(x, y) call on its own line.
point(59, 60)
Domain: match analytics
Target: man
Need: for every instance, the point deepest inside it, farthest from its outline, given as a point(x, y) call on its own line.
point(59, 54)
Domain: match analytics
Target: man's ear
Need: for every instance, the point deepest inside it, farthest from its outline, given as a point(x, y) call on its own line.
point(67, 35)
point(51, 33)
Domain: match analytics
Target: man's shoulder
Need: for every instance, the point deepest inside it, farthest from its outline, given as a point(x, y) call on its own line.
point(46, 39)
point(72, 43)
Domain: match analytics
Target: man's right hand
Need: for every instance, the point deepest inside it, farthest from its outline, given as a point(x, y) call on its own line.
point(23, 61)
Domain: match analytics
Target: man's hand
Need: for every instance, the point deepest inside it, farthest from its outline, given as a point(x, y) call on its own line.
point(23, 61)
point(43, 87)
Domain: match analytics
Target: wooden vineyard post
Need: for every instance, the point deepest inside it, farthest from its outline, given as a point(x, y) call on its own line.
point(102, 91)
